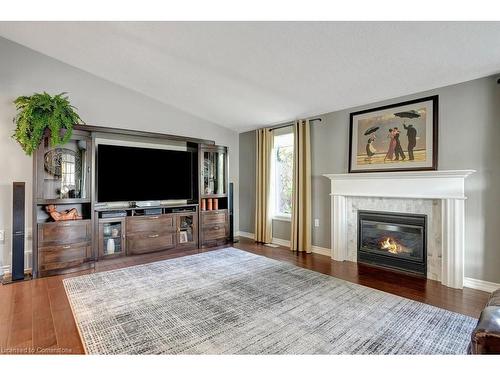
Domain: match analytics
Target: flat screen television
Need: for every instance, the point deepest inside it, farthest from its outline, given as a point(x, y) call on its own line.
point(127, 174)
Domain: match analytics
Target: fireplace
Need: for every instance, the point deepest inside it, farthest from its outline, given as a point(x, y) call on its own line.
point(393, 240)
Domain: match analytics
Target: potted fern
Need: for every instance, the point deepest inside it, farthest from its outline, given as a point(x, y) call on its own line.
point(42, 114)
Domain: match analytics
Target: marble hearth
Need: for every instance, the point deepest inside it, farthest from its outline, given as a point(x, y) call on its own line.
point(440, 195)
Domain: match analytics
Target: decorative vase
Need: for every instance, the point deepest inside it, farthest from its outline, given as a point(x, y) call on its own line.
point(209, 204)
point(216, 204)
point(203, 204)
point(110, 246)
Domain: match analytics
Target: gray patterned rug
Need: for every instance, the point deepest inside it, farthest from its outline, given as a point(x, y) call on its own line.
point(232, 302)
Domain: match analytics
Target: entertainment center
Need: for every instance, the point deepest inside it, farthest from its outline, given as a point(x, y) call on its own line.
point(121, 193)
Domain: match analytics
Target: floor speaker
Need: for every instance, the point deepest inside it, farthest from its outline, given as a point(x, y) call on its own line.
point(231, 212)
point(18, 212)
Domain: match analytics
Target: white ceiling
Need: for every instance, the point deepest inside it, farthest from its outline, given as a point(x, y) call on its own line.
point(247, 74)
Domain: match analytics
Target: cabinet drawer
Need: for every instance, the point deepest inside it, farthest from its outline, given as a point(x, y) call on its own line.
point(158, 224)
point(64, 232)
point(63, 256)
point(212, 243)
point(149, 242)
point(213, 217)
point(214, 232)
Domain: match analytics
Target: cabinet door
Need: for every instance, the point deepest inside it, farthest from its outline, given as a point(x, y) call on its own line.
point(213, 169)
point(112, 239)
point(63, 172)
point(64, 232)
point(213, 217)
point(187, 229)
point(143, 243)
point(215, 232)
point(214, 235)
point(62, 256)
point(157, 223)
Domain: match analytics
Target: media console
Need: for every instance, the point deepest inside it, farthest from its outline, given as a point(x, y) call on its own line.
point(138, 232)
point(65, 176)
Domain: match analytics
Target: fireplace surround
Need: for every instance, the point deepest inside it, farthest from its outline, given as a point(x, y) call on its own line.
point(393, 240)
point(446, 186)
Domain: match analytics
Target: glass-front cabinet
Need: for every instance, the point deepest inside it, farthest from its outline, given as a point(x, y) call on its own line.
point(111, 237)
point(187, 229)
point(213, 176)
point(63, 172)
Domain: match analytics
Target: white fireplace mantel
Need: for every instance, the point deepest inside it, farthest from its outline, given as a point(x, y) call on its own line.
point(447, 185)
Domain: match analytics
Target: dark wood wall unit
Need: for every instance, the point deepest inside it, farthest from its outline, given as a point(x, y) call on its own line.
point(67, 246)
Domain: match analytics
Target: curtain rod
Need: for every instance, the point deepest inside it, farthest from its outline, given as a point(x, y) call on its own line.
point(291, 123)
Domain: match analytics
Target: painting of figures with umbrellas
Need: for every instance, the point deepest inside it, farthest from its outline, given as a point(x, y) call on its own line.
point(396, 137)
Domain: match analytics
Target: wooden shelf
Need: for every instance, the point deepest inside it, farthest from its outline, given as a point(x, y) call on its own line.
point(114, 255)
point(66, 223)
point(43, 202)
point(104, 209)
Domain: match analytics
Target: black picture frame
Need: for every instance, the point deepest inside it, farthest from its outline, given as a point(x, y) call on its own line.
point(435, 124)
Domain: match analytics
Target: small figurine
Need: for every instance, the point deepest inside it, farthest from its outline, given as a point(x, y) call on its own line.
point(64, 215)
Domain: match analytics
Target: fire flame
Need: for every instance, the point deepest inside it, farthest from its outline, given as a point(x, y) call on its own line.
point(391, 246)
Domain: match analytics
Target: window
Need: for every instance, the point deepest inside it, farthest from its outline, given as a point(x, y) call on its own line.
point(282, 174)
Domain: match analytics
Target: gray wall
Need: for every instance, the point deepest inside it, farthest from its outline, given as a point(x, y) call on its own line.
point(247, 181)
point(99, 102)
point(469, 129)
point(281, 229)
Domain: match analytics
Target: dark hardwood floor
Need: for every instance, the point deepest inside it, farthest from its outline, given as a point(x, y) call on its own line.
point(35, 316)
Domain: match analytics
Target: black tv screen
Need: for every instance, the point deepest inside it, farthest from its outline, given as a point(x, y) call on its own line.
point(141, 174)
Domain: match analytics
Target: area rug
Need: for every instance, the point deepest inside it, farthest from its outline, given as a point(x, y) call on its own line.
point(233, 302)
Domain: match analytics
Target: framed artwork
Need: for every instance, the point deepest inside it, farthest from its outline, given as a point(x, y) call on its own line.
point(396, 137)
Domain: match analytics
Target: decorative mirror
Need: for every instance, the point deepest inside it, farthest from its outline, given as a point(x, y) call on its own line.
point(59, 161)
point(65, 166)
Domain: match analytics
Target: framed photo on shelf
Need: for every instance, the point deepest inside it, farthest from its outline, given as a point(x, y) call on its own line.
point(396, 137)
point(183, 237)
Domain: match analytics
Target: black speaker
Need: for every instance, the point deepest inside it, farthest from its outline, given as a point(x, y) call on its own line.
point(231, 212)
point(18, 212)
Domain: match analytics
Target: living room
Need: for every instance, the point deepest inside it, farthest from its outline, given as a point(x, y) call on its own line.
point(257, 186)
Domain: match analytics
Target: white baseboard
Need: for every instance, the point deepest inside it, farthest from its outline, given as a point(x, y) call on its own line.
point(486, 286)
point(315, 249)
point(322, 251)
point(279, 241)
point(276, 241)
point(5, 270)
point(28, 259)
point(245, 234)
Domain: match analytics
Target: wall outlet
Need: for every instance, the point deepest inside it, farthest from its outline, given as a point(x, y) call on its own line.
point(316, 223)
point(2, 237)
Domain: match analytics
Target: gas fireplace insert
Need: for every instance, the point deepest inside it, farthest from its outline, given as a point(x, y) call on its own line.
point(393, 240)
